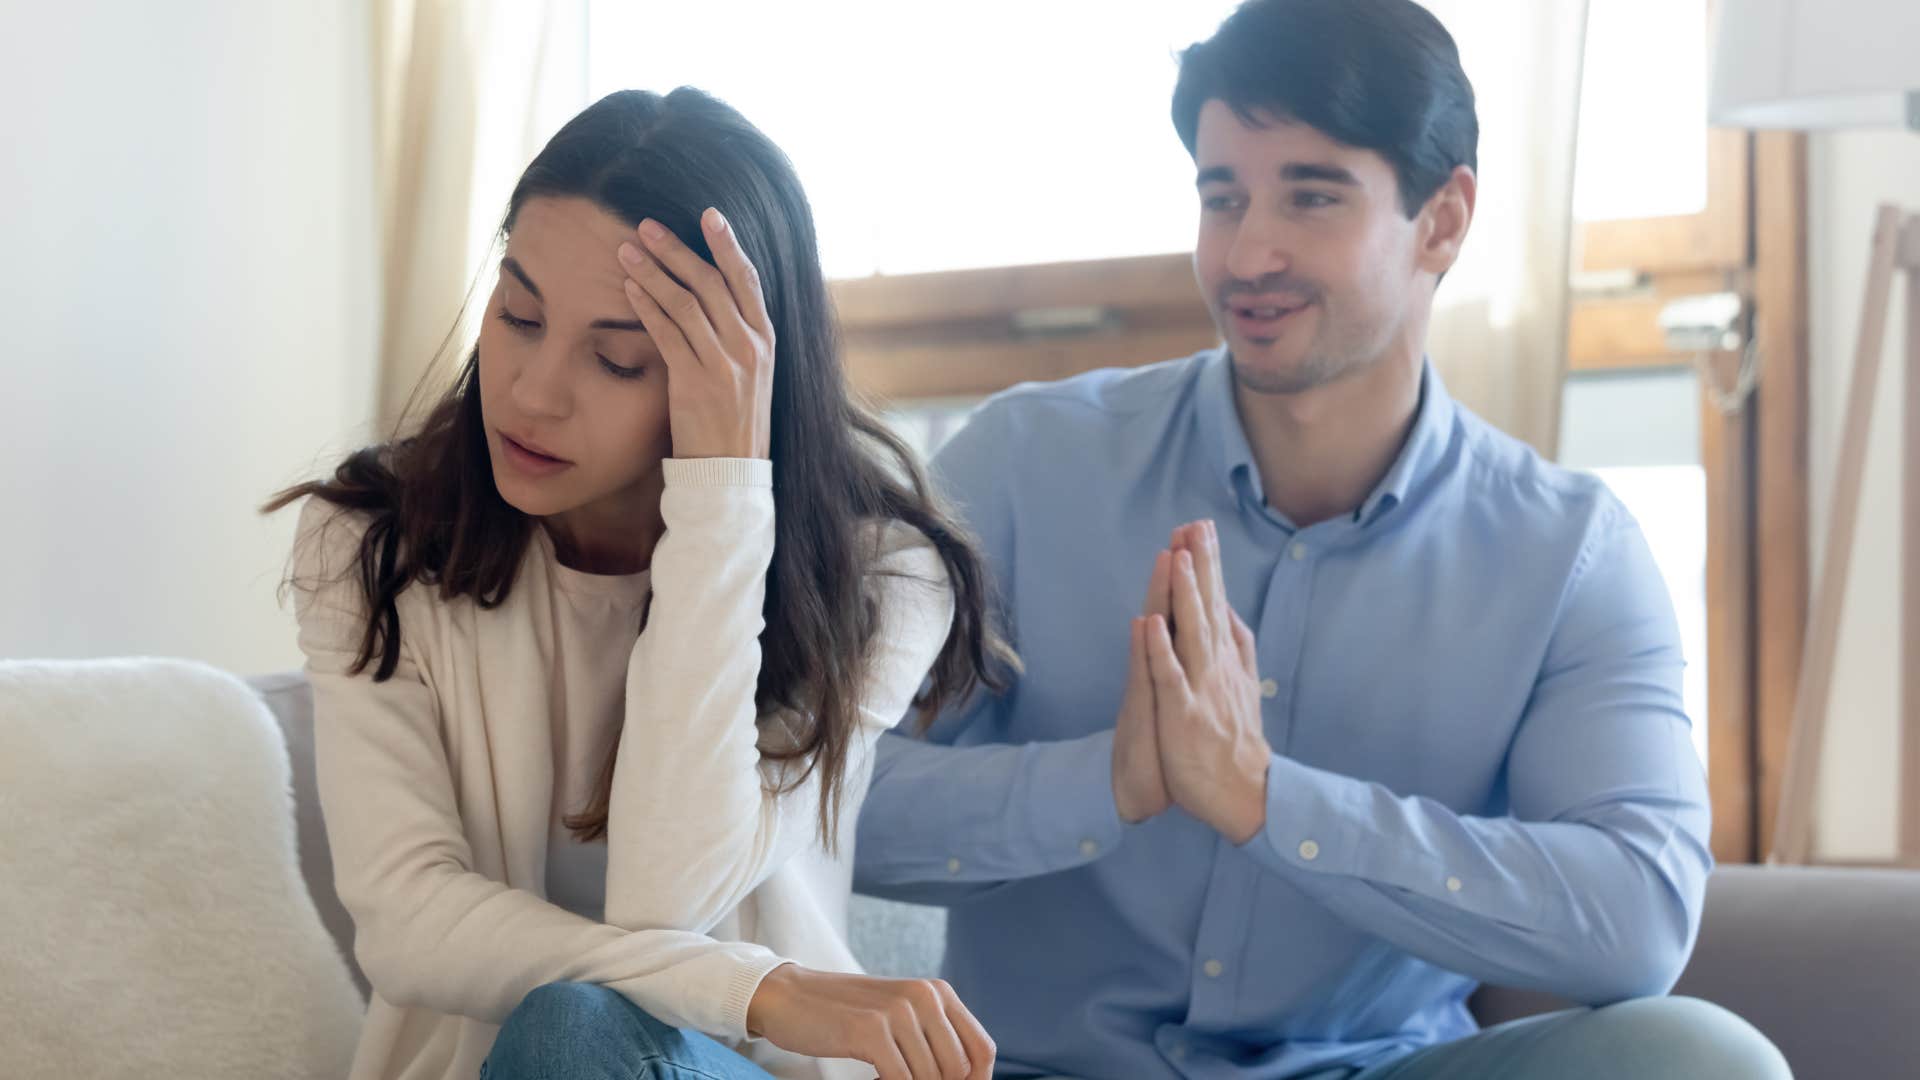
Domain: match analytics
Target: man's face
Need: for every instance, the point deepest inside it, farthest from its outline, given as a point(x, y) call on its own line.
point(1305, 256)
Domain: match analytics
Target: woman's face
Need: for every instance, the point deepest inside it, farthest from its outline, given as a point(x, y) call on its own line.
point(572, 390)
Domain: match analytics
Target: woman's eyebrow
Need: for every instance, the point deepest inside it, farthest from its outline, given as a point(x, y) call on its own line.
point(512, 266)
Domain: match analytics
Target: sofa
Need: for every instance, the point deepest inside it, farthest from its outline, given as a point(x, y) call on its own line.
point(1824, 961)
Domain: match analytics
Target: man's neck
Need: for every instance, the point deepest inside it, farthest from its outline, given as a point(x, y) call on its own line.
point(1322, 452)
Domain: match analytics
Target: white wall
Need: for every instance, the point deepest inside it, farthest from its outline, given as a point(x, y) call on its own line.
point(187, 285)
point(1851, 173)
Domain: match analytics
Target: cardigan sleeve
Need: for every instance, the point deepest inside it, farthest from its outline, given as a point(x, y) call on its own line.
point(430, 932)
point(690, 789)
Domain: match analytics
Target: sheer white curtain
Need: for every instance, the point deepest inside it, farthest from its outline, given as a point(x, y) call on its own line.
point(465, 92)
point(1500, 318)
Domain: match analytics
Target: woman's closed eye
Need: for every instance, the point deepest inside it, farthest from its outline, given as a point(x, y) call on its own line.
point(522, 325)
point(621, 371)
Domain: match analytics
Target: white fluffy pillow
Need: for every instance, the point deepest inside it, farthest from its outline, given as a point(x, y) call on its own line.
point(153, 920)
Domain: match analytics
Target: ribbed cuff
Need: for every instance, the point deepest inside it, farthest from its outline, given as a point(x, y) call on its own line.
point(718, 472)
point(741, 988)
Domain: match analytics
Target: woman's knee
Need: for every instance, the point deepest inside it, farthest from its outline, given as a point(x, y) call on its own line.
point(585, 1025)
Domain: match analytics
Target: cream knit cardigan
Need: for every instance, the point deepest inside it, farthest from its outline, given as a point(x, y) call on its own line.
point(437, 787)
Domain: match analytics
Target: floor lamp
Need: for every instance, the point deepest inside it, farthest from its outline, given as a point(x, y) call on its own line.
point(1823, 65)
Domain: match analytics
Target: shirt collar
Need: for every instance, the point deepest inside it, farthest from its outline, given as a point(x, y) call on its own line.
point(1425, 447)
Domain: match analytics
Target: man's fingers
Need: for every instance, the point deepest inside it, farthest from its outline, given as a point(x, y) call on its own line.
point(1215, 583)
point(1139, 675)
point(1194, 639)
point(1159, 599)
point(1169, 679)
point(1243, 643)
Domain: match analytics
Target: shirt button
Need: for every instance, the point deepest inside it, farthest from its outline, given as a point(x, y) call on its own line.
point(1269, 688)
point(1309, 850)
point(1178, 1052)
point(1089, 848)
point(1298, 551)
point(953, 866)
point(1213, 968)
point(1453, 884)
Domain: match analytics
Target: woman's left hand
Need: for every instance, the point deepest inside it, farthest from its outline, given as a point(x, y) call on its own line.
point(709, 321)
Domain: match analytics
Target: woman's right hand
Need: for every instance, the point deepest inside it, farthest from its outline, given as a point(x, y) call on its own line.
point(908, 1029)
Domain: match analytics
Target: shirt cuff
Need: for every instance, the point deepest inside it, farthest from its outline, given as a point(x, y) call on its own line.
point(1069, 800)
point(1314, 822)
point(717, 472)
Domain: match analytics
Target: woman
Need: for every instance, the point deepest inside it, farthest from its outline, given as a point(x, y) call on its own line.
point(599, 654)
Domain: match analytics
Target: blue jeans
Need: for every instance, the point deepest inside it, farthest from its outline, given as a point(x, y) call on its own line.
point(577, 1031)
point(1674, 1038)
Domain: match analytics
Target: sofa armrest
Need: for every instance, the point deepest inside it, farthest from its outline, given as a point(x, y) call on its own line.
point(1824, 961)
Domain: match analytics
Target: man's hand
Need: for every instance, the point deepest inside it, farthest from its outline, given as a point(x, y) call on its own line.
point(1139, 790)
point(1206, 691)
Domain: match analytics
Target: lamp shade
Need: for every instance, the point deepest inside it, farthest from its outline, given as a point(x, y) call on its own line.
point(1816, 64)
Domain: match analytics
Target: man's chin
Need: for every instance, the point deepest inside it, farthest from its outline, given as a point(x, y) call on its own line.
point(1271, 368)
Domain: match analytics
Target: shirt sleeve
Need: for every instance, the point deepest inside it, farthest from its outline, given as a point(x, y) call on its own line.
point(954, 811)
point(691, 794)
point(430, 931)
point(1592, 887)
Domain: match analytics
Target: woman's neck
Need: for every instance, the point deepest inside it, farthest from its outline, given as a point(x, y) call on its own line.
point(614, 535)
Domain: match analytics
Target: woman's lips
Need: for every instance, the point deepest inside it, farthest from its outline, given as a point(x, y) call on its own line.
point(529, 460)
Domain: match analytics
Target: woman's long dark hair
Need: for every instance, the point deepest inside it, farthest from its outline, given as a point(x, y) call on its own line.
point(435, 517)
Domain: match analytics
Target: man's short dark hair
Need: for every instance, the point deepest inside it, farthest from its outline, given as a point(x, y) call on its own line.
point(1380, 75)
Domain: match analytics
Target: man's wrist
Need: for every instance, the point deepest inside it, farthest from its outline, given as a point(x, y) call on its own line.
point(1247, 805)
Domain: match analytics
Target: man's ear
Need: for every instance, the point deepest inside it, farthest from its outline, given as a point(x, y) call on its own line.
point(1445, 220)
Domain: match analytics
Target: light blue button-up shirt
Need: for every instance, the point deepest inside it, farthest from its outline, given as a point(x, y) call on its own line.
point(1482, 769)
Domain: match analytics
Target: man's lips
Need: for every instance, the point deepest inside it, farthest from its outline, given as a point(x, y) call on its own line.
point(1266, 307)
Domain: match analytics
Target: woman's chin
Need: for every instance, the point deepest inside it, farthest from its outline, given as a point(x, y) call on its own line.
point(528, 498)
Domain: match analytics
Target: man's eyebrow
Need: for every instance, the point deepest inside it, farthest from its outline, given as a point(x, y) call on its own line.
point(512, 266)
point(1332, 174)
point(1214, 174)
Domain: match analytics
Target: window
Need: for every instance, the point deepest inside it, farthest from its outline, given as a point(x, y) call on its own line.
point(1639, 431)
point(1006, 132)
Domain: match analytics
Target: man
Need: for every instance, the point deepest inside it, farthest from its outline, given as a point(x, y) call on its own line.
point(1447, 745)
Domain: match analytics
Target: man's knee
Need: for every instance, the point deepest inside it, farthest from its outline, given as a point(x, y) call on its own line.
point(1685, 1037)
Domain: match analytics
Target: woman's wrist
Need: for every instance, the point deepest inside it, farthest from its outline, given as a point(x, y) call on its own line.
point(774, 986)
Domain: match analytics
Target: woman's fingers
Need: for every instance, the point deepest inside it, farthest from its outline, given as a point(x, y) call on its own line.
point(673, 301)
point(741, 277)
point(673, 345)
point(910, 1035)
point(974, 1040)
point(705, 287)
